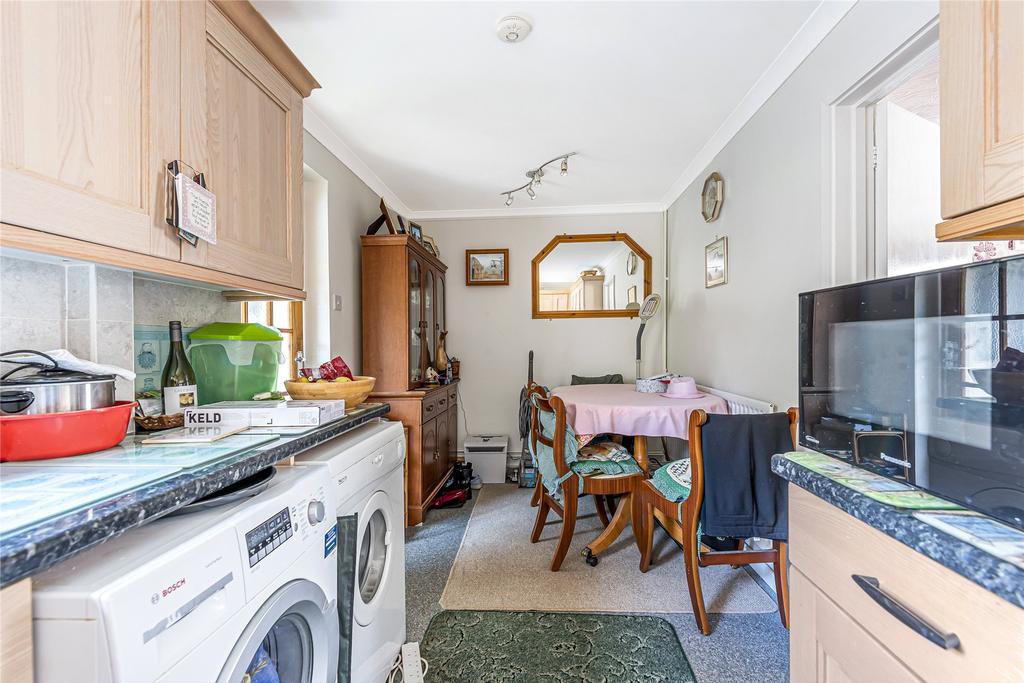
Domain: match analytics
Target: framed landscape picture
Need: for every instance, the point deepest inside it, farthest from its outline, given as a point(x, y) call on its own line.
point(716, 263)
point(486, 267)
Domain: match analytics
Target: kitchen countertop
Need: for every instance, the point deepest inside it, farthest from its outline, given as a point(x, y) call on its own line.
point(997, 574)
point(42, 544)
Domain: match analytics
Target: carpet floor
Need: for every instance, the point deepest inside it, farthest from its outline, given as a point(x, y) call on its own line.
point(741, 648)
point(468, 646)
point(498, 568)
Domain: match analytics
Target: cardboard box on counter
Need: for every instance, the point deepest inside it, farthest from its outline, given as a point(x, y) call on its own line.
point(265, 413)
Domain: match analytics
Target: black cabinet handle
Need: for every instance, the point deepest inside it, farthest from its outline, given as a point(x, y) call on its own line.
point(869, 584)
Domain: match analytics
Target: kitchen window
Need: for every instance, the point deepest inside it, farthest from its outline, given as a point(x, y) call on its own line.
point(286, 318)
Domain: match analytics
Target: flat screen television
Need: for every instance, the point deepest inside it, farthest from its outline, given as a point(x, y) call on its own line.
point(921, 378)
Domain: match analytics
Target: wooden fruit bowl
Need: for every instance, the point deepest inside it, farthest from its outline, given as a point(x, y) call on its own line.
point(354, 392)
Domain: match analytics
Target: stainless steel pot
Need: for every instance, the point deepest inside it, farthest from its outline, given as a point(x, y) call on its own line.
point(52, 389)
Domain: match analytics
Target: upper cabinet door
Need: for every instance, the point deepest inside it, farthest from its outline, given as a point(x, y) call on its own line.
point(982, 103)
point(90, 119)
point(242, 127)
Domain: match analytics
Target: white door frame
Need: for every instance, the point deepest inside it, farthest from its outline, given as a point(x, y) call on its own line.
point(853, 248)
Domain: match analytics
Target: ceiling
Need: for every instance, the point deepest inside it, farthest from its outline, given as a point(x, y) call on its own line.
point(569, 259)
point(435, 113)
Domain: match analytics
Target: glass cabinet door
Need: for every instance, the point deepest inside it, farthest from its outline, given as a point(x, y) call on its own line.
point(428, 318)
point(415, 323)
point(439, 324)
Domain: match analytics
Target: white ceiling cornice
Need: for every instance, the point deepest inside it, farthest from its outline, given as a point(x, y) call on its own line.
point(319, 129)
point(811, 33)
point(528, 212)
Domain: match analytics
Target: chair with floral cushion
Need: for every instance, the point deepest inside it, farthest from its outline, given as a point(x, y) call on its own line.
point(673, 498)
point(567, 472)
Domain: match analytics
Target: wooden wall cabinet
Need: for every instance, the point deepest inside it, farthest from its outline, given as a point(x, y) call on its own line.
point(90, 120)
point(982, 119)
point(100, 96)
point(839, 633)
point(403, 316)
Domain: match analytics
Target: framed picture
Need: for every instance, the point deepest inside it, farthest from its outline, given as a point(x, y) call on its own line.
point(716, 263)
point(388, 219)
point(631, 295)
point(401, 224)
point(431, 246)
point(416, 231)
point(486, 267)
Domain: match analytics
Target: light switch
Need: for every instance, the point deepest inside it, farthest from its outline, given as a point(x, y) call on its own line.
point(337, 302)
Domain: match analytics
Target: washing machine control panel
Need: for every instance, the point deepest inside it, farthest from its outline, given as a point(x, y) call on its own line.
point(262, 540)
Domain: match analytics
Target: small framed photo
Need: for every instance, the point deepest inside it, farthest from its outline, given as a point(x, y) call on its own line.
point(401, 225)
point(431, 246)
point(486, 267)
point(416, 231)
point(388, 218)
point(631, 295)
point(716, 263)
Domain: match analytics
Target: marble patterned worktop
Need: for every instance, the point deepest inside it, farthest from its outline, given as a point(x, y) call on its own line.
point(30, 549)
point(998, 567)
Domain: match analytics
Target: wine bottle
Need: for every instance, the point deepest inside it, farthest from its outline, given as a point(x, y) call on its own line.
point(178, 380)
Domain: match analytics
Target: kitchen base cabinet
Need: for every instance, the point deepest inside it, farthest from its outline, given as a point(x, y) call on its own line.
point(840, 633)
point(16, 632)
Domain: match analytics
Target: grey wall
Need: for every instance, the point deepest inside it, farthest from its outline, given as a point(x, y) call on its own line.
point(351, 206)
point(491, 329)
point(742, 336)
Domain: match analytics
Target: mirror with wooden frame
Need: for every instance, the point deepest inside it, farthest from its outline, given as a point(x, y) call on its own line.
point(590, 276)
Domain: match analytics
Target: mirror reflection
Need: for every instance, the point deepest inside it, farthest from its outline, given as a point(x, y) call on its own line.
point(591, 276)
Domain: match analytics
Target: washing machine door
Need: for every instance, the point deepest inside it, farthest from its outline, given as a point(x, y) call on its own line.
point(373, 556)
point(293, 638)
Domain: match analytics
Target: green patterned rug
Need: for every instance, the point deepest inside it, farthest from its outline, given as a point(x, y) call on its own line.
point(501, 647)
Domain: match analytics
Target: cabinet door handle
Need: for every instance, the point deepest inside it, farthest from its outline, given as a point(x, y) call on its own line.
point(442, 401)
point(870, 585)
point(429, 408)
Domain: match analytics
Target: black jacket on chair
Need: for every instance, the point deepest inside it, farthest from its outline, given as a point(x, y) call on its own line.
point(743, 498)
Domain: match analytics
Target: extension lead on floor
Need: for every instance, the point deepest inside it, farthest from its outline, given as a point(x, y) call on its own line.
point(409, 665)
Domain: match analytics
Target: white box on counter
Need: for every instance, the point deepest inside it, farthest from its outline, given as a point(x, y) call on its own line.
point(265, 413)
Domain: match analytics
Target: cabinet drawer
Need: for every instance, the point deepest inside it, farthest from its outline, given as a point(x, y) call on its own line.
point(829, 546)
point(828, 646)
point(443, 401)
point(432, 406)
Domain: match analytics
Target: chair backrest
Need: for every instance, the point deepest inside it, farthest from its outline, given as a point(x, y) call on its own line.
point(542, 401)
point(698, 419)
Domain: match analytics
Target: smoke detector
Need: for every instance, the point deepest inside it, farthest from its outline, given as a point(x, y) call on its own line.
point(513, 29)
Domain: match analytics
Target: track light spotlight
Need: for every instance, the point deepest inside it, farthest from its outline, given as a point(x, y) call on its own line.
point(535, 175)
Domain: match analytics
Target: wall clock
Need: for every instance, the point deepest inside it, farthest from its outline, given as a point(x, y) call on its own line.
point(711, 197)
point(631, 262)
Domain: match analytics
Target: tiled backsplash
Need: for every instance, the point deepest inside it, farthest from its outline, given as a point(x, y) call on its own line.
point(93, 310)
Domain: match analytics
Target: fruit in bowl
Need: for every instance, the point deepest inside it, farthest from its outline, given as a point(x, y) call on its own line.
point(354, 391)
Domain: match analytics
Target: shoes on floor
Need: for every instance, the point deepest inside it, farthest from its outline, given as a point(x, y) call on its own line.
point(476, 483)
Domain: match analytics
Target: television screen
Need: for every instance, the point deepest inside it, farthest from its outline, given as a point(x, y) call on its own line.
point(921, 378)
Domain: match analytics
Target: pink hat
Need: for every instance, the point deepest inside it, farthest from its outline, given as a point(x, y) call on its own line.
point(682, 387)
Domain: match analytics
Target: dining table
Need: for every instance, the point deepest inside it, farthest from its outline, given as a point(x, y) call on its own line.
point(593, 409)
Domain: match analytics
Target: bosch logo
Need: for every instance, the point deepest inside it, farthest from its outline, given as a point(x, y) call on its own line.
point(173, 587)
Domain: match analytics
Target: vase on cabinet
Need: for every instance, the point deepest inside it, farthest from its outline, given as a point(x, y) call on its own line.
point(441, 358)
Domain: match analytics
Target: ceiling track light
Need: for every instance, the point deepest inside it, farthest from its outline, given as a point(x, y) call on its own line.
point(535, 175)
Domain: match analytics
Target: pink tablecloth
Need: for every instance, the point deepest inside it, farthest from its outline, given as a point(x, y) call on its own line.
point(620, 409)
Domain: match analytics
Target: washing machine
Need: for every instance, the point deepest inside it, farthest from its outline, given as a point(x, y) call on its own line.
point(212, 596)
point(365, 466)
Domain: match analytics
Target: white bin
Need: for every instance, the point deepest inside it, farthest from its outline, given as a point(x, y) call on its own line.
point(488, 454)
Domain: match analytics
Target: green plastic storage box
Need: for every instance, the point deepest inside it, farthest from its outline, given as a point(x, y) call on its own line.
point(234, 361)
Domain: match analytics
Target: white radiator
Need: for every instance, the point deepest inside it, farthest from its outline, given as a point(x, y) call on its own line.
point(740, 405)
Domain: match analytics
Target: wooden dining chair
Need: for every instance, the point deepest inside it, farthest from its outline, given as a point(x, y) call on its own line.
point(597, 485)
point(681, 521)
